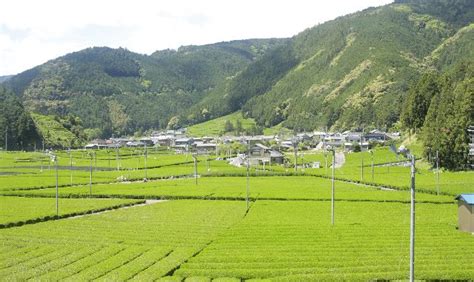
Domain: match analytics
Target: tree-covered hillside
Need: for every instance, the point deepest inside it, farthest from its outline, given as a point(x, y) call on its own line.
point(115, 91)
point(355, 71)
point(440, 107)
point(17, 130)
point(352, 72)
point(5, 78)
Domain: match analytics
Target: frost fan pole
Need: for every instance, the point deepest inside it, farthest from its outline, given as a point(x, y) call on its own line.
point(372, 163)
point(195, 169)
point(6, 138)
point(437, 172)
point(146, 167)
point(90, 175)
point(70, 164)
point(248, 175)
point(55, 159)
point(332, 185)
point(412, 221)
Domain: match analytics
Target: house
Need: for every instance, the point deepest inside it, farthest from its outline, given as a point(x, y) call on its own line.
point(354, 137)
point(287, 144)
point(466, 212)
point(202, 148)
point(164, 140)
point(349, 147)
point(184, 141)
point(183, 145)
point(334, 140)
point(376, 136)
point(276, 157)
point(135, 144)
point(259, 150)
point(97, 144)
point(260, 154)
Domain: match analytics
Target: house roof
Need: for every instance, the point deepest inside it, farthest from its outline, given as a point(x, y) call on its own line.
point(275, 154)
point(262, 146)
point(468, 198)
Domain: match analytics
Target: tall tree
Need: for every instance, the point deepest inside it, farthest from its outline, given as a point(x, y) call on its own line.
point(418, 101)
point(450, 113)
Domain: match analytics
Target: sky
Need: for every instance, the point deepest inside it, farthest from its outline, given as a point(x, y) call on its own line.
point(33, 32)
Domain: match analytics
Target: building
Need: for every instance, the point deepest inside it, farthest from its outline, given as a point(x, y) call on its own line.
point(97, 144)
point(260, 154)
point(377, 136)
point(334, 140)
point(202, 148)
point(466, 212)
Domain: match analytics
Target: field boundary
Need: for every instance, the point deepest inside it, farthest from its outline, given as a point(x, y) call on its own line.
point(218, 198)
point(69, 215)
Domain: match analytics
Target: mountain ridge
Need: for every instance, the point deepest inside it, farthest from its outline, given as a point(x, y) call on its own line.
point(350, 72)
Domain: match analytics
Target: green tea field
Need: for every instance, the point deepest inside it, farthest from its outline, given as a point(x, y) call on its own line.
point(111, 225)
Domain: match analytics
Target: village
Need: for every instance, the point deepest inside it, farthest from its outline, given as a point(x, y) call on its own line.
point(264, 149)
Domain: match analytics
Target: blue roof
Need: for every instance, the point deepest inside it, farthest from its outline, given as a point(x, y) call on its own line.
point(468, 198)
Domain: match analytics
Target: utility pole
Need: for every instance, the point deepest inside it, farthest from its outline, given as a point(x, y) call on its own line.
point(362, 166)
point(437, 172)
point(55, 160)
point(412, 221)
point(248, 175)
point(295, 149)
point(90, 175)
point(146, 157)
point(326, 161)
point(388, 165)
point(332, 185)
point(195, 168)
point(117, 156)
point(372, 163)
point(70, 163)
point(6, 138)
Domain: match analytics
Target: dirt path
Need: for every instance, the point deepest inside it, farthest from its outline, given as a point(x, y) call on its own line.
point(147, 202)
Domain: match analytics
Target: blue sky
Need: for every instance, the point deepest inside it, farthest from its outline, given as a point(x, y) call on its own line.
point(33, 32)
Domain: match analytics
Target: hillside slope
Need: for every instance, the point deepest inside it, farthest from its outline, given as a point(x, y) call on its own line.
point(352, 72)
point(116, 91)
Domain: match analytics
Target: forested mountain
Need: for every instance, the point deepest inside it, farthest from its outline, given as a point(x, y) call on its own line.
point(351, 72)
point(17, 130)
point(5, 78)
point(354, 71)
point(115, 91)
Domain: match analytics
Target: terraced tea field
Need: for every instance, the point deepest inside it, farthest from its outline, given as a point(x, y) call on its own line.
point(204, 232)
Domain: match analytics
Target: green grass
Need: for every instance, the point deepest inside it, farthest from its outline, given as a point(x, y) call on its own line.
point(283, 188)
point(295, 241)
point(141, 242)
point(53, 132)
point(215, 127)
point(277, 240)
point(277, 129)
point(451, 183)
point(286, 234)
point(15, 209)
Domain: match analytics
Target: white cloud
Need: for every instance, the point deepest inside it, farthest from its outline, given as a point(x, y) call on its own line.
point(32, 32)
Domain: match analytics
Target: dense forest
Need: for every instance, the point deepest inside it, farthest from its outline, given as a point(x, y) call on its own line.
point(440, 107)
point(17, 129)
